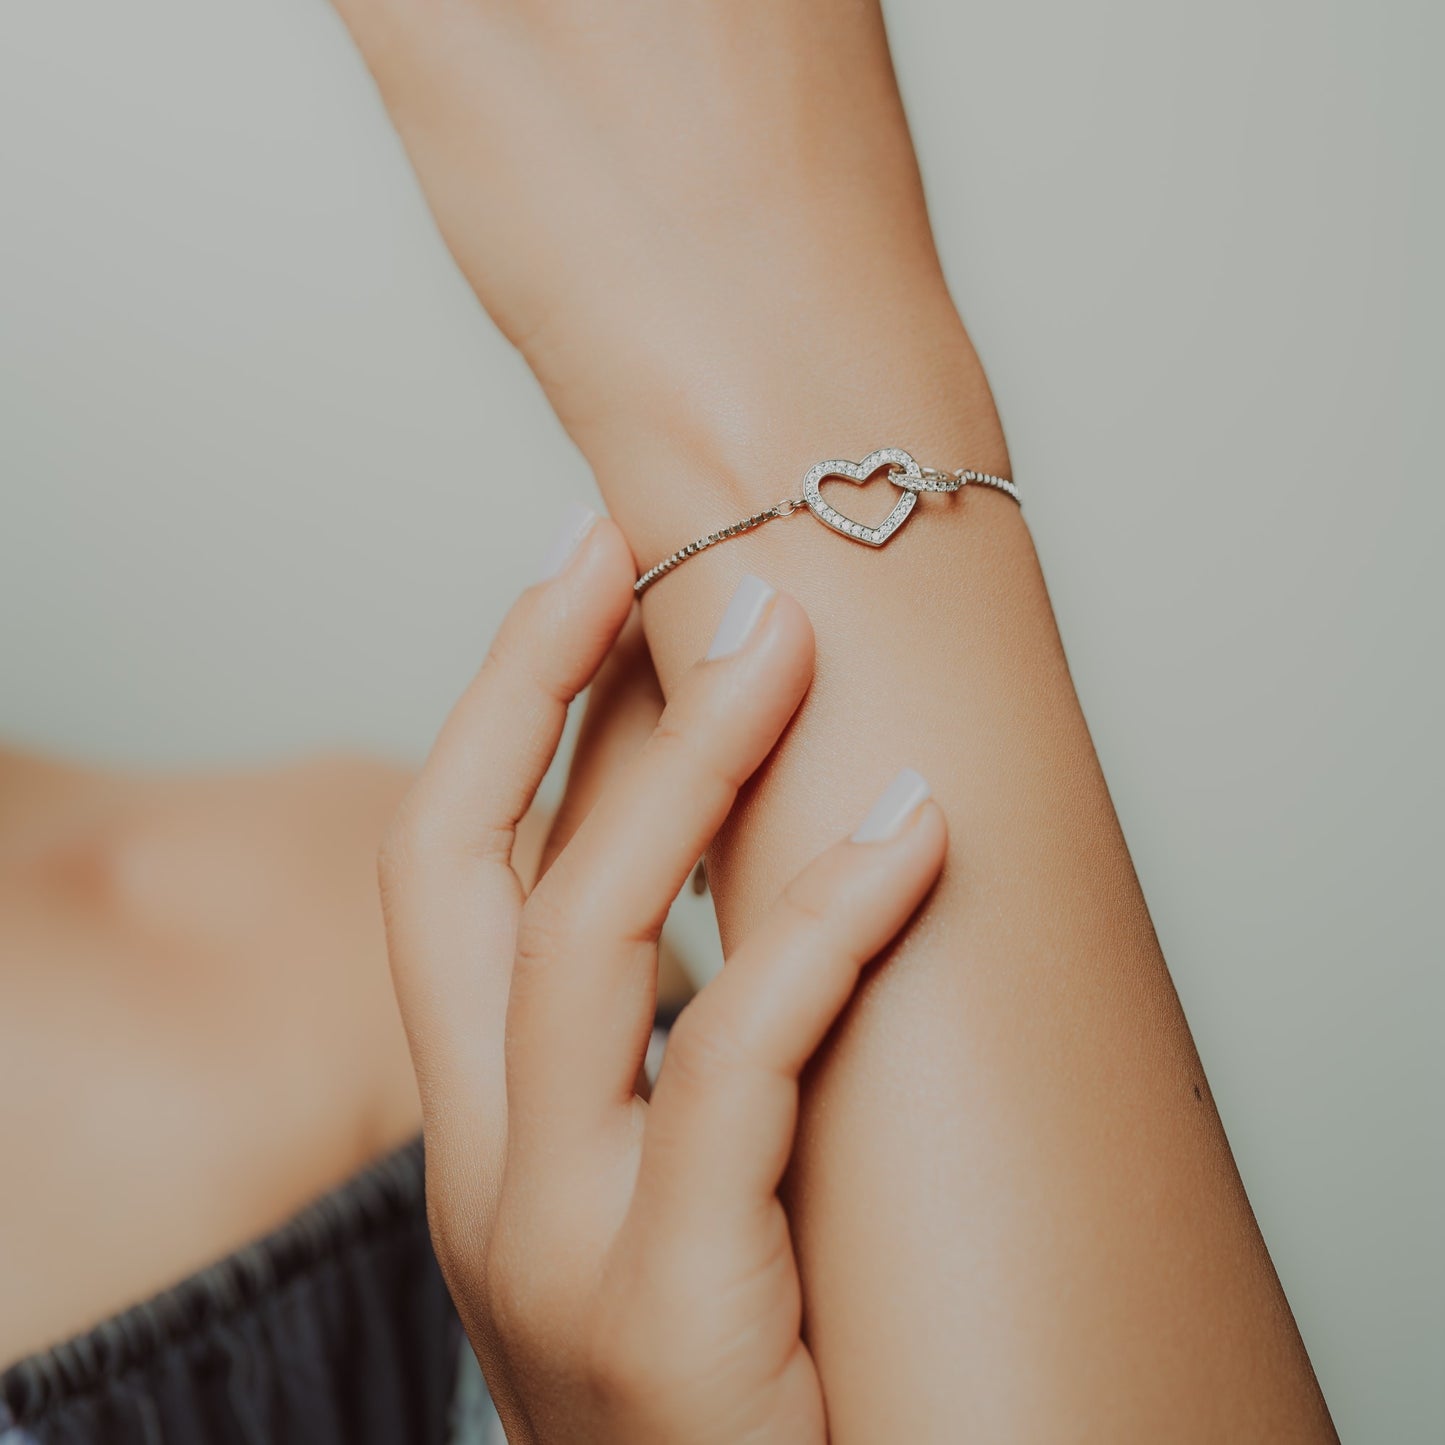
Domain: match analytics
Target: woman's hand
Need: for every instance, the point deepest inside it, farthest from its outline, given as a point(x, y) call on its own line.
point(702, 224)
point(623, 1267)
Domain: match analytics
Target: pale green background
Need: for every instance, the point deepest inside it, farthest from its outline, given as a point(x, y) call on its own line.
point(269, 478)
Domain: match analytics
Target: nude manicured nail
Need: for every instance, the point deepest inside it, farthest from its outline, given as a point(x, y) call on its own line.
point(897, 804)
point(577, 521)
point(749, 603)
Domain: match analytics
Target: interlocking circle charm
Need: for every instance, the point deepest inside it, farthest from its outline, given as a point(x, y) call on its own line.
point(903, 470)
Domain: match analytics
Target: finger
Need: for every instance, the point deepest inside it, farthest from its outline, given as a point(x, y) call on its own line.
point(624, 703)
point(451, 899)
point(580, 1009)
point(496, 745)
point(720, 1127)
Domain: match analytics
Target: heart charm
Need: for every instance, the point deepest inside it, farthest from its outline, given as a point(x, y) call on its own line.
point(860, 472)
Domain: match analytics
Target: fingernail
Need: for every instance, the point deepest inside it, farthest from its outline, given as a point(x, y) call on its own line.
point(577, 521)
point(749, 603)
point(898, 803)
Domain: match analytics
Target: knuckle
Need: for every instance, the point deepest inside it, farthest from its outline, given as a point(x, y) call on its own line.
point(672, 742)
point(808, 902)
point(515, 654)
point(546, 931)
point(506, 650)
point(702, 1052)
point(681, 746)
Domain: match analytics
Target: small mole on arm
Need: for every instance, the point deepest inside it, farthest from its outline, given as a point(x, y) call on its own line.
point(1197, 1094)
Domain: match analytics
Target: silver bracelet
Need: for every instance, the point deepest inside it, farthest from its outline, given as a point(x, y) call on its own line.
point(903, 472)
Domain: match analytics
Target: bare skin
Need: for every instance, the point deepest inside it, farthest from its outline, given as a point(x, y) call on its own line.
point(623, 1265)
point(198, 1033)
point(197, 1030)
point(1015, 1210)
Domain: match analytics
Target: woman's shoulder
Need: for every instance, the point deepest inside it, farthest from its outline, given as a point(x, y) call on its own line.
point(197, 1033)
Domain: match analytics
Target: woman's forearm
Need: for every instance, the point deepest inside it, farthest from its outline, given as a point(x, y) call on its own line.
point(1015, 1207)
point(703, 225)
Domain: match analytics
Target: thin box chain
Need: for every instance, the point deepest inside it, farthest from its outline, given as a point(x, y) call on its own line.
point(903, 472)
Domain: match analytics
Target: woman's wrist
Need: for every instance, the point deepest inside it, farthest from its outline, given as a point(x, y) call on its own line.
point(676, 461)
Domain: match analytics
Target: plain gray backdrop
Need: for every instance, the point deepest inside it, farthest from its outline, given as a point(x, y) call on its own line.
point(269, 478)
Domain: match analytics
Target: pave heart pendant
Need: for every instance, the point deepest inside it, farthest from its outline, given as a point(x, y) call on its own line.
point(859, 472)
